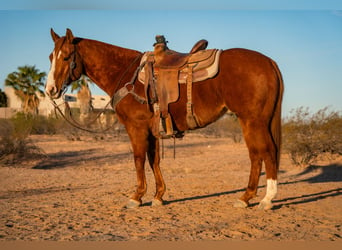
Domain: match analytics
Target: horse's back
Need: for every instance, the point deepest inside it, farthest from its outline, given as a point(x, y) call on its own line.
point(246, 84)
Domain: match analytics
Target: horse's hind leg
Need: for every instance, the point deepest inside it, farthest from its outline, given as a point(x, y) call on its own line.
point(261, 148)
point(154, 160)
point(271, 176)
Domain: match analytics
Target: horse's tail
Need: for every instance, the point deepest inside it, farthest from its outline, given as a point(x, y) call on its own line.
point(276, 118)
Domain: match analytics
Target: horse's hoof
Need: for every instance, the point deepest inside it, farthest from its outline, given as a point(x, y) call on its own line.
point(133, 204)
point(240, 203)
point(157, 203)
point(265, 205)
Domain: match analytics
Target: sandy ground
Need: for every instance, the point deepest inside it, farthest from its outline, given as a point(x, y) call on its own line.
point(78, 192)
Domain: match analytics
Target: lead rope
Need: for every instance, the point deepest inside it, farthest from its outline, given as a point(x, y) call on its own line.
point(76, 124)
point(174, 147)
point(162, 148)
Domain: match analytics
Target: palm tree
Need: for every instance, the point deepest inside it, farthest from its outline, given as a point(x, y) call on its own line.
point(27, 83)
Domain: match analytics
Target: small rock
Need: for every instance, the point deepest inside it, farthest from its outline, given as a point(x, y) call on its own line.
point(9, 224)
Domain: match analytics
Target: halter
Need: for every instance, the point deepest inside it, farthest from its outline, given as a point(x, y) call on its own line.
point(72, 66)
point(113, 101)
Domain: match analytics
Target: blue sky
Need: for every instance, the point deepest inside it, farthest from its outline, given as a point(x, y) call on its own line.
point(305, 40)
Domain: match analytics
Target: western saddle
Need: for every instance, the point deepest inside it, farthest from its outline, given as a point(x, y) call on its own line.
point(164, 70)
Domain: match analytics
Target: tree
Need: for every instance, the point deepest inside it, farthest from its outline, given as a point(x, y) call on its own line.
point(27, 83)
point(3, 99)
point(83, 96)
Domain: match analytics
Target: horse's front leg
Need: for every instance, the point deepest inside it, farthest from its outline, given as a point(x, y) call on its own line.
point(139, 141)
point(154, 160)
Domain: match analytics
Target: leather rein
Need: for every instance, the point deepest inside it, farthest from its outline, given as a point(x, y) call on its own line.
point(119, 94)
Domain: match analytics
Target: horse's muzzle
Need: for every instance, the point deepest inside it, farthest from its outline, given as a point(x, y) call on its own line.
point(52, 92)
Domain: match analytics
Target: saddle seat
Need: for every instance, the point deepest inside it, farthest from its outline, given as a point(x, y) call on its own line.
point(168, 59)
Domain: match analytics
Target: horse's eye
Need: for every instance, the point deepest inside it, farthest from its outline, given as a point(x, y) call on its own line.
point(66, 58)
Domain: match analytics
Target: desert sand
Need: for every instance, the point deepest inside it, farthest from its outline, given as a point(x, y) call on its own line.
point(78, 192)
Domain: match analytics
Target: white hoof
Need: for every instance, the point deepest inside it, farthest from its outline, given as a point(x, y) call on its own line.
point(240, 203)
point(133, 204)
point(157, 203)
point(265, 205)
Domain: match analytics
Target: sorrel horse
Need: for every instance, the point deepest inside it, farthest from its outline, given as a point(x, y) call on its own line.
point(248, 83)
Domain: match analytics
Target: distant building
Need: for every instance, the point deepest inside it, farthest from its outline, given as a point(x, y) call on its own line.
point(45, 106)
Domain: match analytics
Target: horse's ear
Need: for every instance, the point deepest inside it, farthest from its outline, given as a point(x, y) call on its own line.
point(54, 36)
point(69, 36)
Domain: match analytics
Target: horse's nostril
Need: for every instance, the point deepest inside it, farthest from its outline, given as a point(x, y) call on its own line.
point(51, 90)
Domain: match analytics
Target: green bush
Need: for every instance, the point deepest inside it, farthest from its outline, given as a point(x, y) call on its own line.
point(36, 124)
point(307, 136)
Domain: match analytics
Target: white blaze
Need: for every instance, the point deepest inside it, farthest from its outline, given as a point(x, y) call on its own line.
point(51, 83)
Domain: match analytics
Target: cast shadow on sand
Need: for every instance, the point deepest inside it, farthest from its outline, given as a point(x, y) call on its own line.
point(39, 191)
point(307, 198)
point(201, 197)
point(68, 159)
point(329, 173)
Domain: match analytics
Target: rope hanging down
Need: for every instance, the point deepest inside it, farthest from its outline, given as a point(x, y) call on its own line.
point(68, 114)
point(68, 117)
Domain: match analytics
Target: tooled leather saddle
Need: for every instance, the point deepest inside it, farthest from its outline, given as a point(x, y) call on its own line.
point(165, 69)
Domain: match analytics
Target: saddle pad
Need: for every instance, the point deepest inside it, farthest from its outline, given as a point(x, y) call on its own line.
point(202, 68)
point(205, 65)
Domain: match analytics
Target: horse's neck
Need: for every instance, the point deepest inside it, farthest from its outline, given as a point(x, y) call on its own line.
point(107, 65)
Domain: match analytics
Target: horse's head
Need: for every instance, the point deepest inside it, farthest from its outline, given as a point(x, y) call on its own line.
point(66, 64)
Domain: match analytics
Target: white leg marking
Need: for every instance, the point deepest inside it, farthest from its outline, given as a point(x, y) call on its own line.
point(271, 189)
point(271, 192)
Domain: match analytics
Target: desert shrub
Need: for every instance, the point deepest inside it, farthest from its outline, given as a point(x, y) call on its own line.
point(46, 125)
point(36, 124)
point(15, 145)
point(226, 126)
point(307, 136)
